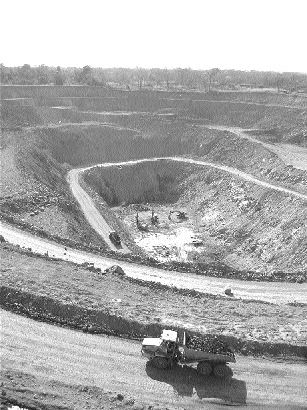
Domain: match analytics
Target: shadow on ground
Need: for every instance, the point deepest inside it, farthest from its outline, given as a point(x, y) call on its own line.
point(186, 381)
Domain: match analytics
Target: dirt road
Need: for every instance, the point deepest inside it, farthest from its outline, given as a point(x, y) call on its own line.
point(229, 170)
point(100, 225)
point(290, 154)
point(294, 107)
point(274, 292)
point(55, 356)
point(91, 213)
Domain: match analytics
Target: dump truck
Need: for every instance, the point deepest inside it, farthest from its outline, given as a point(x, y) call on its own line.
point(169, 349)
point(115, 238)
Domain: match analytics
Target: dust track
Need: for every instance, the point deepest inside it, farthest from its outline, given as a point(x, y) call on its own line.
point(264, 291)
point(290, 154)
point(91, 213)
point(56, 354)
point(100, 225)
point(294, 107)
point(274, 292)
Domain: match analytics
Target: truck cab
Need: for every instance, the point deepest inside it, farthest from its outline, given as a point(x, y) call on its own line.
point(162, 351)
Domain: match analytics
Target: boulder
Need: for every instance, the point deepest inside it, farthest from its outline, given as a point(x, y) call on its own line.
point(115, 270)
point(228, 292)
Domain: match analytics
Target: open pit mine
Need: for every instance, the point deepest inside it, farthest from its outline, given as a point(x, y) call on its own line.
point(164, 234)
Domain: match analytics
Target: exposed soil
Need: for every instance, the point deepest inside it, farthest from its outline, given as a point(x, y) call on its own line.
point(31, 393)
point(33, 191)
point(47, 365)
point(48, 130)
point(169, 275)
point(239, 224)
point(113, 304)
point(82, 131)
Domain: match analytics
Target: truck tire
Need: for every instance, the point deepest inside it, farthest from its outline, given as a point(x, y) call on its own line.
point(204, 368)
point(160, 362)
point(221, 370)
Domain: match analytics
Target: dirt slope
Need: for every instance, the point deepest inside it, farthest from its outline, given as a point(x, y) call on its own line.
point(36, 354)
point(94, 218)
point(33, 191)
point(108, 296)
point(266, 291)
point(249, 227)
point(84, 130)
point(290, 154)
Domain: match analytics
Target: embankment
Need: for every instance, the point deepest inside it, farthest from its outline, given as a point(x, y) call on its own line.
point(283, 117)
point(101, 322)
point(43, 142)
point(251, 227)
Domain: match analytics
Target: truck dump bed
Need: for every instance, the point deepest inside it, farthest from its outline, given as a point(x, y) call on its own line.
point(191, 355)
point(197, 352)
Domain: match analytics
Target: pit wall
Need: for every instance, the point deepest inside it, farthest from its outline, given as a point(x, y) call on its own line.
point(284, 123)
point(140, 183)
point(101, 322)
point(54, 91)
point(253, 227)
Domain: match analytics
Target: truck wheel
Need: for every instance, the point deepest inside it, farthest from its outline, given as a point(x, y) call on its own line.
point(160, 362)
point(204, 368)
point(221, 370)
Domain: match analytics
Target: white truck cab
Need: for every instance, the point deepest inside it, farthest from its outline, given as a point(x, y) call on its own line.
point(159, 346)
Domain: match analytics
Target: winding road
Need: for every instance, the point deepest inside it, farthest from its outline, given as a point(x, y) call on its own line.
point(230, 170)
point(99, 224)
point(290, 154)
point(274, 292)
point(48, 357)
point(34, 353)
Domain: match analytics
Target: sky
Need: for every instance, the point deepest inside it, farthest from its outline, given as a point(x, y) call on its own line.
point(268, 35)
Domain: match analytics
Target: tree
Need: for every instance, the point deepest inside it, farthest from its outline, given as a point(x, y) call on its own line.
point(279, 80)
point(43, 74)
point(26, 75)
point(85, 76)
point(98, 77)
point(212, 74)
point(6, 75)
point(140, 75)
point(166, 77)
point(59, 78)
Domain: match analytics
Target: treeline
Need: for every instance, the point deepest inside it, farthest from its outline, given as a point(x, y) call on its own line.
point(155, 78)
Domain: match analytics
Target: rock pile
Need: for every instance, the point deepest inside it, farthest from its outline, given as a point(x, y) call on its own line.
point(115, 269)
point(209, 344)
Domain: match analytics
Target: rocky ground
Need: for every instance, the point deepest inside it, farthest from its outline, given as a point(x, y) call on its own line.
point(33, 192)
point(240, 225)
point(229, 221)
point(117, 296)
point(46, 395)
point(52, 367)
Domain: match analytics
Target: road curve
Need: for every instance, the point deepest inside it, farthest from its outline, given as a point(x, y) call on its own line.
point(290, 154)
point(59, 355)
point(230, 170)
point(101, 226)
point(274, 292)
